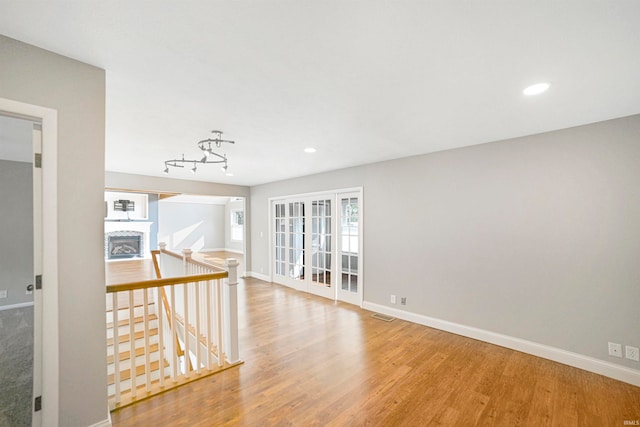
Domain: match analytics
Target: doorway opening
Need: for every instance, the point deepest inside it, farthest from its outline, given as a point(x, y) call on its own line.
point(212, 227)
point(20, 211)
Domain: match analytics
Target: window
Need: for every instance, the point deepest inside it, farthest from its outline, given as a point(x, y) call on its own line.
point(237, 224)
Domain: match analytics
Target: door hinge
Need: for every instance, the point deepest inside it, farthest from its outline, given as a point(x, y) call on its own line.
point(37, 404)
point(39, 281)
point(37, 160)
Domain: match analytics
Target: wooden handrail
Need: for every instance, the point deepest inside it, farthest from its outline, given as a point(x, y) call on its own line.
point(144, 284)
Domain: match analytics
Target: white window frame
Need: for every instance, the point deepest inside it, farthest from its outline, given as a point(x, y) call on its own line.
point(235, 226)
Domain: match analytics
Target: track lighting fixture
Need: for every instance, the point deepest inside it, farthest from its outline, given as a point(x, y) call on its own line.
point(209, 156)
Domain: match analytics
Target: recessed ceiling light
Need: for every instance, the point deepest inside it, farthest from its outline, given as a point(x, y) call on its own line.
point(228, 174)
point(536, 88)
point(309, 150)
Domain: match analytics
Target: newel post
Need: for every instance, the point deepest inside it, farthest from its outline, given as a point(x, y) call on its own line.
point(231, 312)
point(162, 246)
point(186, 256)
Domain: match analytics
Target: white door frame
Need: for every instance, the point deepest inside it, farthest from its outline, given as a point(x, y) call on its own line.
point(46, 299)
point(334, 196)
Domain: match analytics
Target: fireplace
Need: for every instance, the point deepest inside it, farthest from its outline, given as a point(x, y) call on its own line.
point(124, 244)
point(127, 229)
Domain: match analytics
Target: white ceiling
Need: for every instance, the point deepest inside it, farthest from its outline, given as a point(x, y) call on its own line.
point(361, 81)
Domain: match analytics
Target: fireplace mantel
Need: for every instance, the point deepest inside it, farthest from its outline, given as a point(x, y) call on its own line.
point(139, 226)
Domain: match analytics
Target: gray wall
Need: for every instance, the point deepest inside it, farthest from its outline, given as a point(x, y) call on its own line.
point(76, 90)
point(16, 230)
point(536, 238)
point(191, 225)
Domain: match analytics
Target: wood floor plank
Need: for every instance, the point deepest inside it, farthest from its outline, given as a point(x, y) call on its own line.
point(313, 362)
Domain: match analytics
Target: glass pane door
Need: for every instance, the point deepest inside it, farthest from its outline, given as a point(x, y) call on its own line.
point(317, 245)
point(279, 240)
point(350, 214)
point(296, 261)
point(321, 257)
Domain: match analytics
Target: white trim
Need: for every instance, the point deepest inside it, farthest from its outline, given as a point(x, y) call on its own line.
point(49, 415)
point(103, 423)
point(19, 305)
point(617, 372)
point(315, 193)
point(255, 275)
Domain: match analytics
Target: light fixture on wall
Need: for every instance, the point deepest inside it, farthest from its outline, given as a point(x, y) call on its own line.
point(208, 155)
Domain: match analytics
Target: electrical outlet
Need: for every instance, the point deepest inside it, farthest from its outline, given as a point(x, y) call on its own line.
point(632, 353)
point(403, 301)
point(615, 350)
point(393, 299)
point(3, 294)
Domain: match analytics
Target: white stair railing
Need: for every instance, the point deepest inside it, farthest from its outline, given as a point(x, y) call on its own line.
point(179, 327)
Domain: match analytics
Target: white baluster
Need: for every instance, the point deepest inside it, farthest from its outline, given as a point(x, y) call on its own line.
point(218, 317)
point(116, 347)
point(160, 316)
point(132, 344)
point(174, 338)
point(186, 329)
point(208, 316)
point(231, 312)
point(197, 340)
point(147, 356)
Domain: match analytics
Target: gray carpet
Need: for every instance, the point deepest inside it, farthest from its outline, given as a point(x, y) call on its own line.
point(16, 366)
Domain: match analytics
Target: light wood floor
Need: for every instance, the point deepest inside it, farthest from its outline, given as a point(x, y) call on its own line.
point(219, 258)
point(310, 361)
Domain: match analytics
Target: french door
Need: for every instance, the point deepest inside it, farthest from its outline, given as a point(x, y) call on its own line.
point(310, 235)
point(350, 260)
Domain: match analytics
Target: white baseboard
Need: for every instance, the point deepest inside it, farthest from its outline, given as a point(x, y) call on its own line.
point(258, 276)
point(620, 373)
point(19, 305)
point(103, 423)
